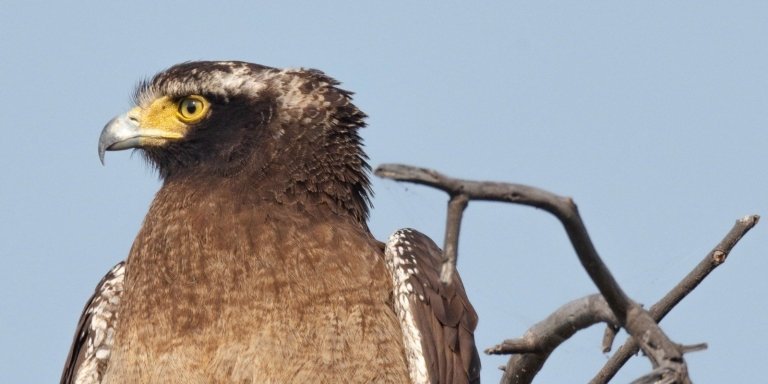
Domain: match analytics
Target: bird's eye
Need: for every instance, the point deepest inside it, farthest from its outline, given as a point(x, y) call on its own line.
point(192, 109)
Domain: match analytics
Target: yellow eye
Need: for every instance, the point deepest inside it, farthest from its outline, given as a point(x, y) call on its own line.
point(192, 109)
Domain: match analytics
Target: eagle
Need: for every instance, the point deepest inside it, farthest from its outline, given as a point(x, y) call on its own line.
point(255, 263)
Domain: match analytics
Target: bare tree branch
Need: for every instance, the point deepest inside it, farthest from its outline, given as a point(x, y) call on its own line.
point(662, 352)
point(562, 207)
point(715, 257)
point(539, 341)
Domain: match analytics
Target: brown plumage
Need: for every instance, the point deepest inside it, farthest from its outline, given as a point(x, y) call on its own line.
point(254, 263)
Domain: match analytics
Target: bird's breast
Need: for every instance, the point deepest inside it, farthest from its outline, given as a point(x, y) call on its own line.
point(256, 296)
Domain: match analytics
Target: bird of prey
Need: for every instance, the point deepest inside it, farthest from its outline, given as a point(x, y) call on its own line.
point(255, 263)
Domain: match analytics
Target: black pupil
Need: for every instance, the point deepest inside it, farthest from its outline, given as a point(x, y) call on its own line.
point(191, 107)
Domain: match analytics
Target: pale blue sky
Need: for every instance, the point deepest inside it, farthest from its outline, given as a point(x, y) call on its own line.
point(652, 116)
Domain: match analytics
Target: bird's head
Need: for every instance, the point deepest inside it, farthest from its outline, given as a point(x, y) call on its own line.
point(291, 133)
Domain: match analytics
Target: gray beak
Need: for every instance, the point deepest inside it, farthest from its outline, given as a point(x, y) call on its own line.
point(122, 132)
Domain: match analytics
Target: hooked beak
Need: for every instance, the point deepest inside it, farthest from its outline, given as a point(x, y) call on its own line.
point(125, 132)
point(122, 132)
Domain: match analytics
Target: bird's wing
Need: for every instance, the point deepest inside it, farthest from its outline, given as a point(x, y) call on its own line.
point(437, 319)
point(91, 347)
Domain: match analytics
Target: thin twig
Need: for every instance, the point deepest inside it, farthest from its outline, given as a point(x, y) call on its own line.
point(608, 336)
point(456, 206)
point(694, 347)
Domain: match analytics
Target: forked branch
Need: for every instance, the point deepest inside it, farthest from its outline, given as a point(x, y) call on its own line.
point(532, 350)
point(714, 258)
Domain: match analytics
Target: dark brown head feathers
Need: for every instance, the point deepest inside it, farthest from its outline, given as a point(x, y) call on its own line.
point(286, 135)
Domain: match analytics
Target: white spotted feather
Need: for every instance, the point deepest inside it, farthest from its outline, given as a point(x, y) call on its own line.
point(91, 349)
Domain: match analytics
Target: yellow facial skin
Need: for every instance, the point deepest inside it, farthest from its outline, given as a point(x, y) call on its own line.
point(162, 121)
point(167, 120)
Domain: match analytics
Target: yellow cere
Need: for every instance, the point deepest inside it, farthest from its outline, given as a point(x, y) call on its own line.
point(166, 119)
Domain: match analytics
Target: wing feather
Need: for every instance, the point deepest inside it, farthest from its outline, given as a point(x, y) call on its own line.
point(89, 355)
point(438, 321)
